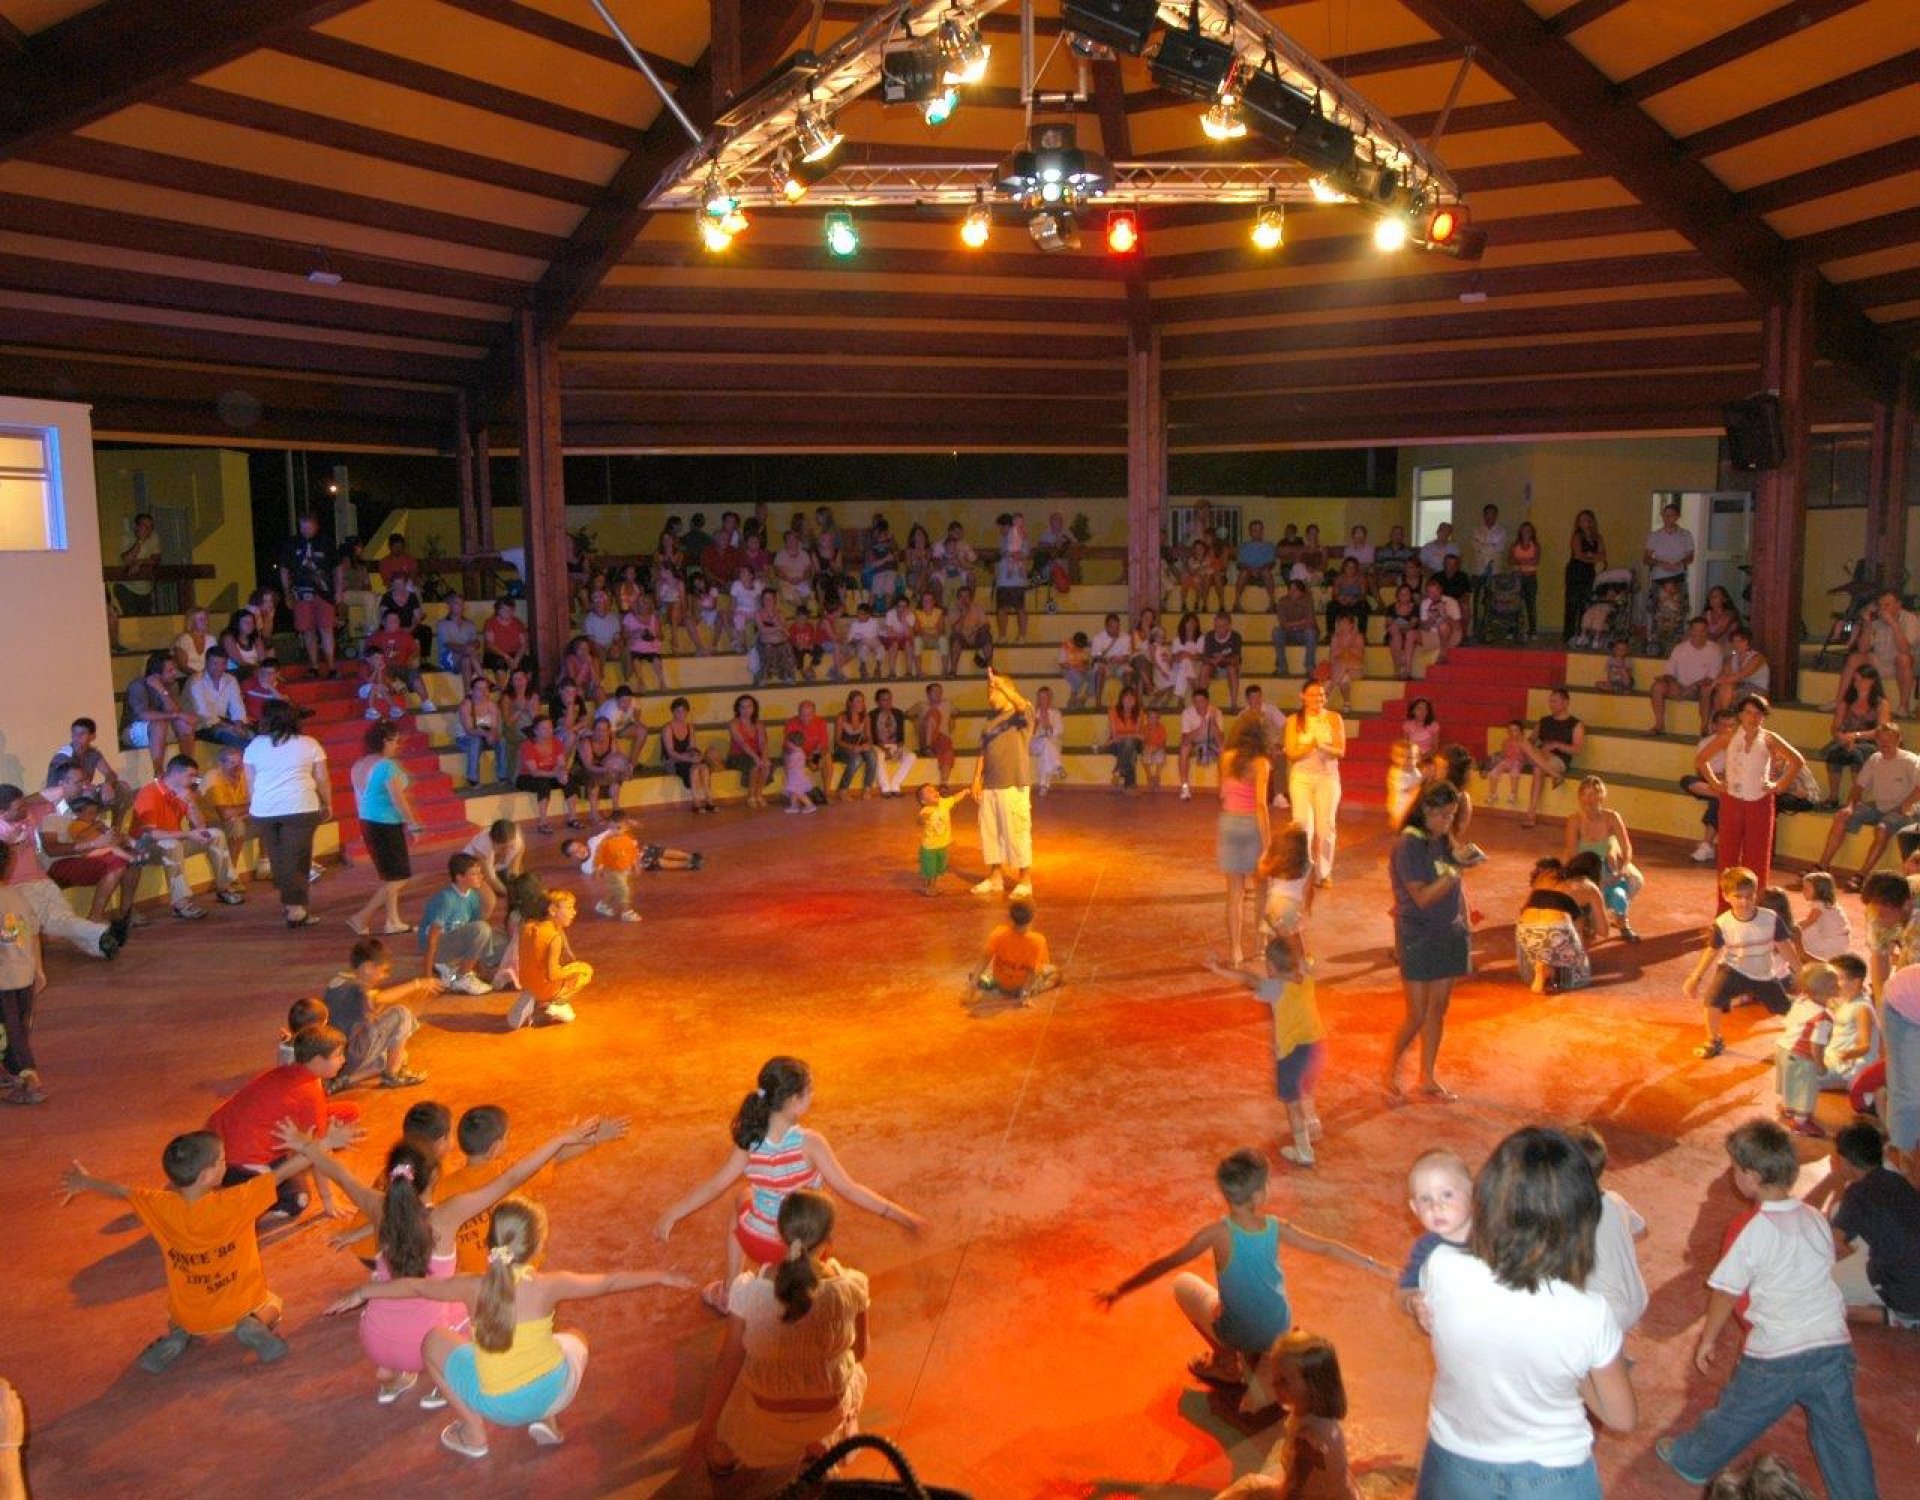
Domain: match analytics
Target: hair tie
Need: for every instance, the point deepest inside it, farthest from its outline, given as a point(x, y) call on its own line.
point(500, 1255)
point(796, 1250)
point(764, 1094)
point(402, 1171)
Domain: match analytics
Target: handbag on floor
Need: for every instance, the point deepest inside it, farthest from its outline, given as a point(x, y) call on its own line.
point(813, 1481)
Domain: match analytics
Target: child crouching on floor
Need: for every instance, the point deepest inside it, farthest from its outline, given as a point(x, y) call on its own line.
point(1017, 963)
point(550, 977)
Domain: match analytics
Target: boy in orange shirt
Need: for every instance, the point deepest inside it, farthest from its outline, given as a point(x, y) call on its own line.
point(224, 790)
point(551, 978)
point(168, 812)
point(1017, 963)
point(206, 1236)
point(482, 1134)
point(615, 855)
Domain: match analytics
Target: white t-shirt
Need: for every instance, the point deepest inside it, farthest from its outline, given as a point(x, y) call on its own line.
point(210, 702)
point(1489, 548)
point(1826, 933)
point(1889, 780)
point(285, 776)
point(491, 856)
point(1692, 664)
point(1435, 552)
point(1616, 1267)
point(1112, 647)
point(1508, 1365)
point(864, 632)
point(1783, 1261)
point(602, 630)
point(1195, 722)
point(1670, 550)
point(746, 599)
point(1850, 1019)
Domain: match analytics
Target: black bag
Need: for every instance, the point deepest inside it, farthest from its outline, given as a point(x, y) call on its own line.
point(813, 1480)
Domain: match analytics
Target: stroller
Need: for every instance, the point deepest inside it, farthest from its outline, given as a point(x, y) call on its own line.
point(1609, 614)
point(1862, 586)
point(1504, 611)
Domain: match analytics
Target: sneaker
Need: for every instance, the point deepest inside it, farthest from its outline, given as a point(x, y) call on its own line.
point(262, 1340)
point(604, 908)
point(1300, 1156)
point(545, 1434)
point(1021, 892)
point(560, 1012)
point(1710, 1049)
point(434, 1399)
point(396, 712)
point(1806, 1125)
point(1902, 1321)
point(808, 807)
point(987, 887)
point(446, 973)
point(426, 706)
point(386, 1393)
point(186, 911)
point(1663, 1450)
point(471, 983)
point(1704, 853)
point(230, 898)
point(629, 915)
point(164, 1350)
point(314, 872)
point(1186, 792)
point(373, 713)
point(793, 808)
point(520, 1012)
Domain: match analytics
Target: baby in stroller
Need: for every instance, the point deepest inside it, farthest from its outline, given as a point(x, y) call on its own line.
point(1609, 610)
point(1504, 611)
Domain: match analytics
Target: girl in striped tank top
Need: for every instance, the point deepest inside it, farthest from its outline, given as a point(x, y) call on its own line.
point(777, 1158)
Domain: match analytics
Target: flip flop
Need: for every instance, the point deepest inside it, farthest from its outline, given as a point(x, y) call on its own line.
point(1206, 1372)
point(1440, 1092)
point(450, 1440)
point(545, 1434)
point(714, 1295)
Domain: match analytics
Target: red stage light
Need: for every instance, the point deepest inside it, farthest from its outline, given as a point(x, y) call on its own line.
point(1123, 232)
point(1443, 226)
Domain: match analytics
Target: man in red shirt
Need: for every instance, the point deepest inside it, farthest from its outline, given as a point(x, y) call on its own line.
point(167, 812)
point(398, 563)
point(248, 1123)
point(506, 641)
point(722, 558)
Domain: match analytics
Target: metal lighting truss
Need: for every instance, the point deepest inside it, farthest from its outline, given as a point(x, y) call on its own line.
point(752, 135)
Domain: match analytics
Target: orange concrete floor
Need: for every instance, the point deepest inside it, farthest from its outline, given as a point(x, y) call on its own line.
point(1053, 1149)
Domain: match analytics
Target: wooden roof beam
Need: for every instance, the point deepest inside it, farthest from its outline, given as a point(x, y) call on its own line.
point(112, 56)
point(1573, 96)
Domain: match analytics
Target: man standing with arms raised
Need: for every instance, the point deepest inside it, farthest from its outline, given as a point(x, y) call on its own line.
point(1003, 791)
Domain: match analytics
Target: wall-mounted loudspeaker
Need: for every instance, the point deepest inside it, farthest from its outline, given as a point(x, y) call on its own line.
point(1756, 438)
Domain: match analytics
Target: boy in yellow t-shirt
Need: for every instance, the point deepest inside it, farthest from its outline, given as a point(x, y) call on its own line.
point(1017, 963)
point(206, 1234)
point(224, 790)
point(936, 834)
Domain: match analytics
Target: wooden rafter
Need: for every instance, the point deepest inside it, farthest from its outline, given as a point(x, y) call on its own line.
point(1895, 159)
point(12, 38)
point(112, 56)
point(578, 36)
point(1737, 41)
point(1586, 107)
point(1809, 104)
point(1582, 13)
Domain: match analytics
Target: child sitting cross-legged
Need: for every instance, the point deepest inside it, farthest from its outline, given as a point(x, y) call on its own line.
point(300, 1015)
point(1876, 1225)
point(417, 1229)
point(1245, 1308)
point(376, 1017)
point(208, 1243)
point(513, 1370)
point(1017, 963)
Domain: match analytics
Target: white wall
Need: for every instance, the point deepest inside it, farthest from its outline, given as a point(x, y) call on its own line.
point(53, 622)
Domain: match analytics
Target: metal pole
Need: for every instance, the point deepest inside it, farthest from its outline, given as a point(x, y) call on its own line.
point(640, 62)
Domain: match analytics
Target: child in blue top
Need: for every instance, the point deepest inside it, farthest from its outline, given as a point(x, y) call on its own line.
point(1440, 1193)
point(454, 940)
point(1249, 1310)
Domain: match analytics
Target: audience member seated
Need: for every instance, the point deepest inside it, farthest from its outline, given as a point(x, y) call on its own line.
point(816, 743)
point(191, 645)
point(20, 817)
point(1876, 1225)
point(504, 641)
point(155, 718)
point(166, 815)
point(246, 648)
point(968, 632)
point(1350, 598)
point(1433, 555)
point(1596, 829)
point(1691, 672)
point(82, 849)
point(1220, 654)
point(1860, 710)
point(1202, 734)
point(96, 771)
point(1557, 741)
point(1885, 798)
point(1441, 625)
point(456, 642)
point(1888, 637)
point(1256, 561)
point(1403, 631)
point(403, 599)
point(214, 695)
point(1125, 736)
point(1744, 670)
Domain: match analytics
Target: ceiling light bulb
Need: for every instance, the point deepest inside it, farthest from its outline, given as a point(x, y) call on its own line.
point(713, 235)
point(1123, 232)
point(966, 53)
point(1390, 233)
point(842, 238)
point(976, 226)
point(1270, 228)
point(940, 107)
point(1222, 121)
point(1326, 192)
point(734, 220)
point(719, 202)
point(818, 138)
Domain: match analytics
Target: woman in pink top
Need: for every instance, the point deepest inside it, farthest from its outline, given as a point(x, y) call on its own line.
point(1245, 767)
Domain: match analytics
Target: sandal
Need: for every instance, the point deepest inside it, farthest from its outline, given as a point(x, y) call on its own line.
point(406, 1078)
point(1203, 1369)
point(450, 1440)
point(396, 931)
point(1710, 1049)
point(388, 1392)
point(714, 1295)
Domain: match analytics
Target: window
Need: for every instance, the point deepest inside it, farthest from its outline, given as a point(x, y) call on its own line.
point(32, 515)
point(1432, 502)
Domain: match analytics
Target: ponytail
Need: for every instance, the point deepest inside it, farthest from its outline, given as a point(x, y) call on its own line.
point(781, 1081)
point(514, 1235)
point(806, 1223)
point(406, 1233)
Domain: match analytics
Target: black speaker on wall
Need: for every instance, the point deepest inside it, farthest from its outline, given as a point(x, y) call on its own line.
point(1756, 438)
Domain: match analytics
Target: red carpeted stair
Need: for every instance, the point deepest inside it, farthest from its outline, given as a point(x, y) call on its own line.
point(337, 719)
point(1478, 688)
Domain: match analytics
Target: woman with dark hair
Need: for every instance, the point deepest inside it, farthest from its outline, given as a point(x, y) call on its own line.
point(1721, 614)
point(1587, 556)
point(1524, 558)
point(386, 818)
point(1246, 767)
point(747, 748)
point(681, 747)
point(853, 745)
point(1126, 733)
point(1857, 717)
point(242, 642)
point(1430, 932)
point(1350, 597)
point(1522, 1351)
point(289, 795)
point(1316, 742)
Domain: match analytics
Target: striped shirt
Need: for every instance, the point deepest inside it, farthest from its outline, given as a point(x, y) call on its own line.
point(775, 1169)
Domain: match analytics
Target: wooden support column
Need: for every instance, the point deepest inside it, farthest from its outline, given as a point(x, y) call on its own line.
point(463, 470)
point(483, 485)
point(536, 367)
point(1780, 498)
point(725, 54)
point(1889, 476)
point(1146, 465)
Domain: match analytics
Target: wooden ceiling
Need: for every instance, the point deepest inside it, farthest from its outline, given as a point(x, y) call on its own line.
point(1649, 173)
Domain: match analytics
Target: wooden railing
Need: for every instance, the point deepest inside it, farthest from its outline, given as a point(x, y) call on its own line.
point(183, 574)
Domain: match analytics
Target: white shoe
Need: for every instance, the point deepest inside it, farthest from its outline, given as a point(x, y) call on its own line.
point(373, 713)
point(520, 1012)
point(987, 887)
point(1704, 853)
point(426, 706)
point(629, 915)
point(396, 712)
point(560, 1013)
point(471, 983)
point(1186, 792)
point(1021, 892)
point(314, 872)
point(446, 974)
point(604, 908)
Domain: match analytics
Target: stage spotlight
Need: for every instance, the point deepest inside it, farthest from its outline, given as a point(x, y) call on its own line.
point(911, 75)
point(1123, 232)
point(1291, 119)
point(1325, 192)
point(1054, 230)
point(1270, 227)
point(842, 238)
point(966, 53)
point(977, 226)
point(734, 220)
point(818, 138)
point(940, 108)
point(1125, 25)
point(1443, 226)
point(1192, 65)
point(713, 234)
point(1223, 120)
point(1390, 232)
point(1051, 168)
point(717, 199)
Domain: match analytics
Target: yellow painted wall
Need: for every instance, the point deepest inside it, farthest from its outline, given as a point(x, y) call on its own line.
point(211, 485)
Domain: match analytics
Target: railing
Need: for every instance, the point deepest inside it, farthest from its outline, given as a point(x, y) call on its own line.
point(183, 574)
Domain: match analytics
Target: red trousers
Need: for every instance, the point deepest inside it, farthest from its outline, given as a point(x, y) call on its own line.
point(1746, 836)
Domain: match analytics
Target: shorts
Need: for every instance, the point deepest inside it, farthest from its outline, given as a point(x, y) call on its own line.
point(493, 661)
point(1435, 958)
point(84, 869)
point(1730, 984)
point(387, 848)
point(313, 614)
point(538, 1398)
point(1237, 845)
point(1010, 598)
point(1868, 815)
point(1295, 1075)
point(368, 1045)
point(1006, 826)
point(933, 863)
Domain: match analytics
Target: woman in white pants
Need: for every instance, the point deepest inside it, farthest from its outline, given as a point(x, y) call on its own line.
point(1047, 763)
point(892, 756)
point(1316, 740)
